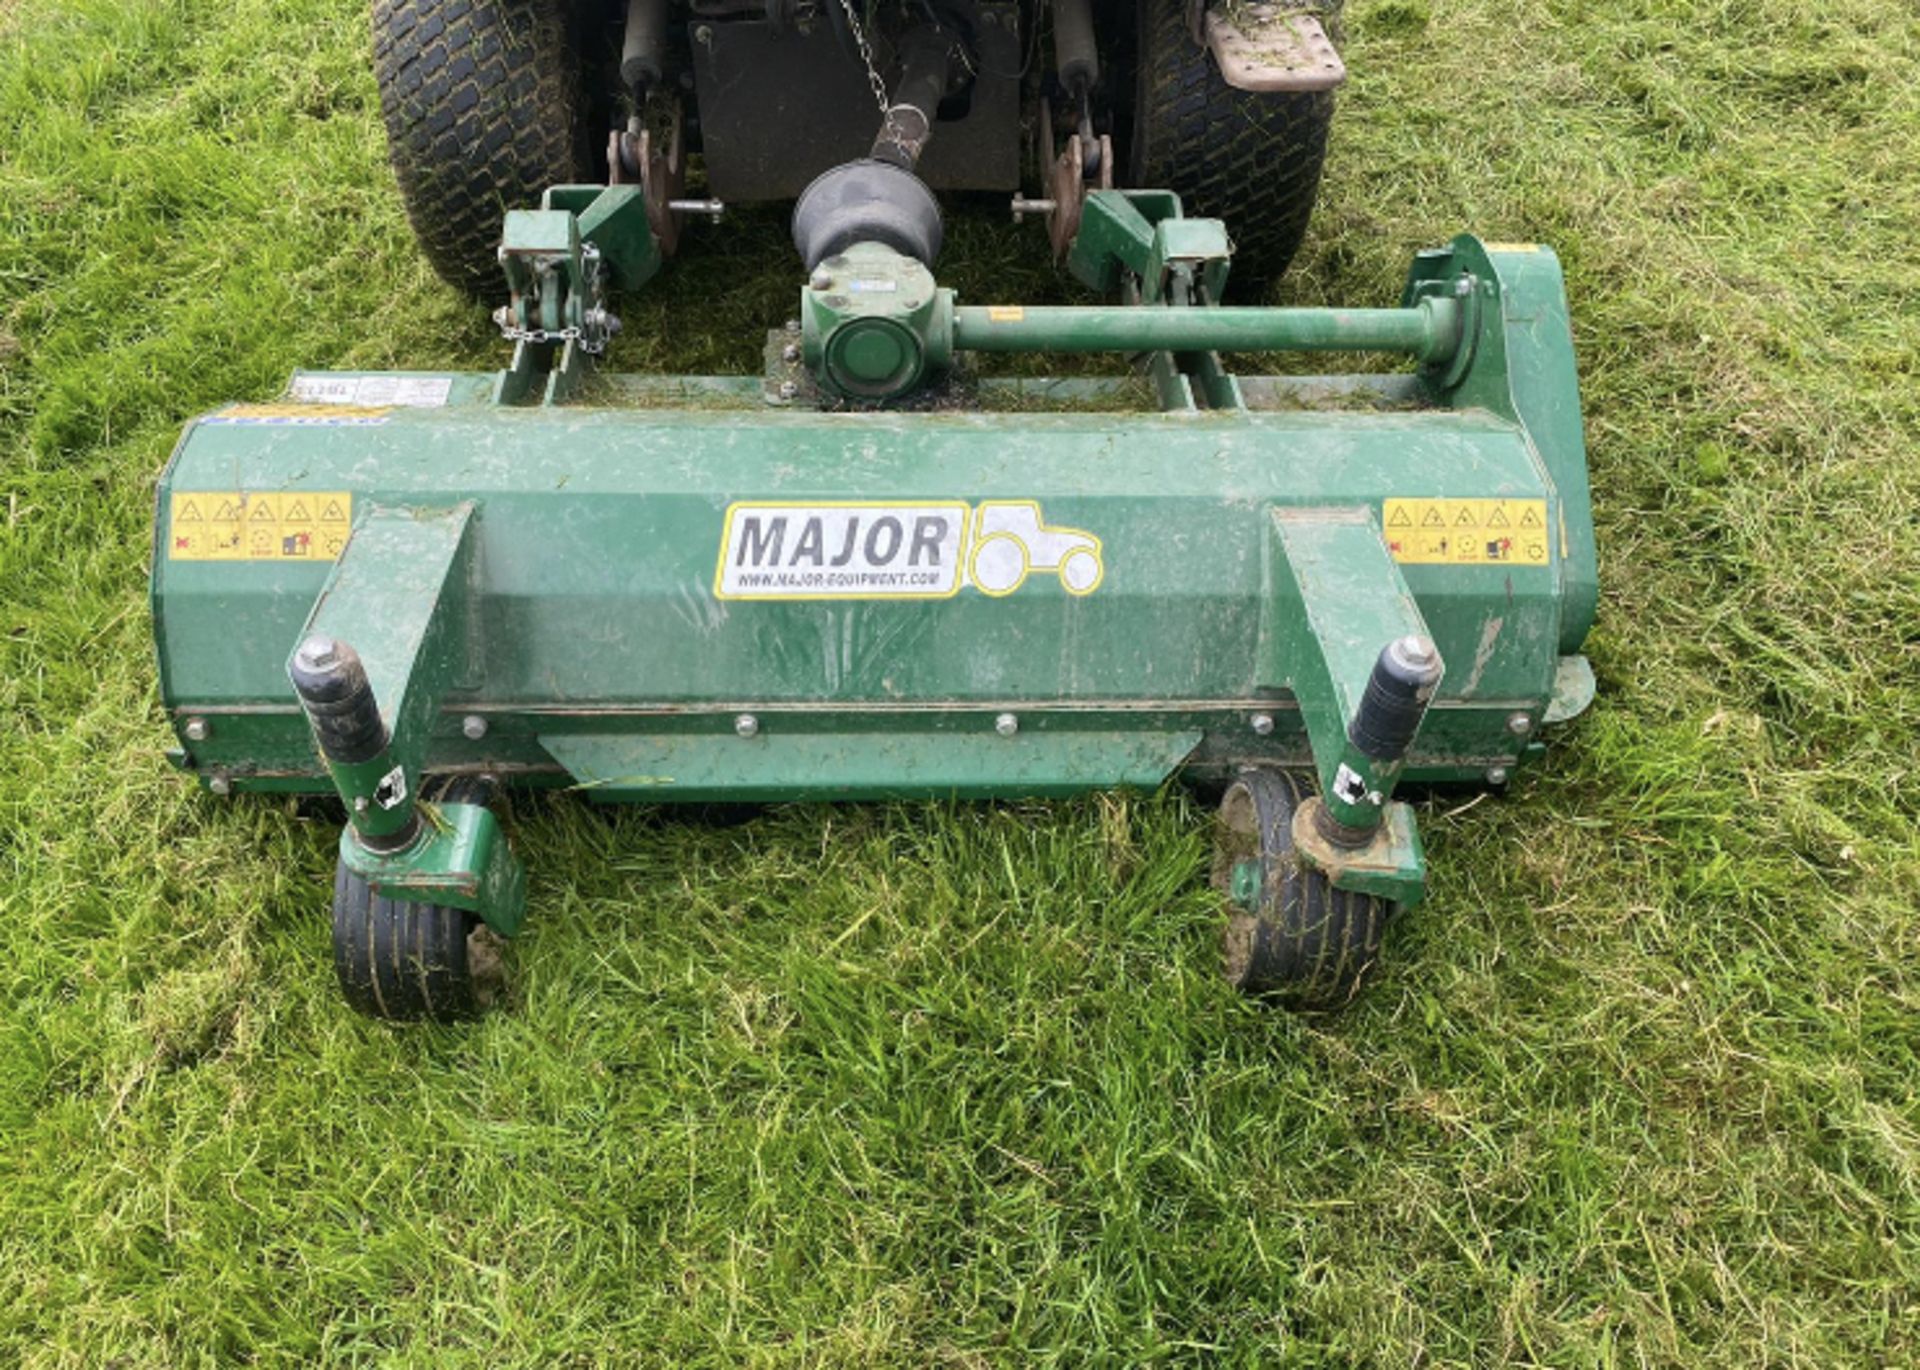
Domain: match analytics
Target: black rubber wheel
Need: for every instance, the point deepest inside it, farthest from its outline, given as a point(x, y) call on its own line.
point(1306, 940)
point(1253, 160)
point(484, 109)
point(401, 961)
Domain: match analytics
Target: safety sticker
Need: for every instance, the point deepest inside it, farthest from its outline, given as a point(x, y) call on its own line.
point(300, 415)
point(229, 525)
point(907, 550)
point(402, 392)
point(1467, 532)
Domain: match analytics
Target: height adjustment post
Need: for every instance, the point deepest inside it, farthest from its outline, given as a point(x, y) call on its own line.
point(1382, 730)
point(354, 741)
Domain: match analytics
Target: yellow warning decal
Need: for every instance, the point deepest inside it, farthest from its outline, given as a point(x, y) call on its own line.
point(1006, 313)
point(1467, 532)
point(1511, 247)
point(231, 525)
point(301, 415)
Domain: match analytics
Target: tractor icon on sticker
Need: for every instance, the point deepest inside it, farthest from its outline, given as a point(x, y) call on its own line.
point(1010, 543)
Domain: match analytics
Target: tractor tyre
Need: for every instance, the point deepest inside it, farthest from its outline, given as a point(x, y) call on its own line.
point(1250, 159)
point(401, 961)
point(1290, 932)
point(484, 109)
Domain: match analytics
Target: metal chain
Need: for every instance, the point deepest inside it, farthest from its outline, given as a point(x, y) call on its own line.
point(592, 338)
point(866, 55)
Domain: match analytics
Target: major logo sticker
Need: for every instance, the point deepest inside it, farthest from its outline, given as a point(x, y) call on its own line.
point(910, 550)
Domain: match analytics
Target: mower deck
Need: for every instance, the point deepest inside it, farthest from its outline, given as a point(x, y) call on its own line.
point(674, 589)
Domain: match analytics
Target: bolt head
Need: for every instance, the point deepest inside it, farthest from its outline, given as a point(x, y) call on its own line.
point(793, 325)
point(220, 784)
point(473, 727)
point(1262, 725)
point(319, 652)
point(703, 34)
point(196, 730)
point(1496, 775)
point(821, 279)
point(360, 804)
point(790, 353)
point(788, 390)
point(1417, 654)
point(746, 725)
point(1519, 724)
point(1006, 725)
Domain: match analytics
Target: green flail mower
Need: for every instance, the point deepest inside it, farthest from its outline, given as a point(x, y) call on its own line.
point(876, 572)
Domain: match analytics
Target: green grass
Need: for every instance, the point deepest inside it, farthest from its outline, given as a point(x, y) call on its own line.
point(958, 1084)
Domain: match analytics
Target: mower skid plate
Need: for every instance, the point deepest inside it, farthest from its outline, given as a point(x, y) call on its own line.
point(775, 765)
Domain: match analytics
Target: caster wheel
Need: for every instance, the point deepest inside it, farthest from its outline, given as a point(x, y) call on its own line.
point(402, 961)
point(1289, 931)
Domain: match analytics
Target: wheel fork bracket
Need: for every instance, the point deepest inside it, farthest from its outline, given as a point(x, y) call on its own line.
point(460, 858)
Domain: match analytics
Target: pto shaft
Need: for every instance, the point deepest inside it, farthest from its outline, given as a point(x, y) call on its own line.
point(1429, 330)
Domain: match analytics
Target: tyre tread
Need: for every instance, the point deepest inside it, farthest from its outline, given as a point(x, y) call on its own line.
point(1253, 160)
point(481, 103)
point(400, 960)
point(1311, 940)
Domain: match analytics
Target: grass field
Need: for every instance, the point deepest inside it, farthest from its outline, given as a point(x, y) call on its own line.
point(958, 1084)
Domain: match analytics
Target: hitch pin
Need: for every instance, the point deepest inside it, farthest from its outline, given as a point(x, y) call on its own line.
point(1022, 207)
point(712, 209)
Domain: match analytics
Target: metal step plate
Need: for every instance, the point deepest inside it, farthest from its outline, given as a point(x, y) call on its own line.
point(1268, 49)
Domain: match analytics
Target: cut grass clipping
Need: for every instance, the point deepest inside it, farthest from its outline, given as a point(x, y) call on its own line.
point(960, 1083)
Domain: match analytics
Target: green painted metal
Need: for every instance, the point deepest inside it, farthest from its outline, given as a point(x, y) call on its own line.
point(1337, 600)
point(1521, 368)
point(460, 859)
point(607, 522)
point(614, 220)
point(1116, 238)
point(1040, 759)
point(1244, 883)
point(1139, 244)
point(597, 531)
point(729, 599)
point(1429, 329)
point(366, 787)
point(398, 596)
point(874, 324)
point(1393, 866)
point(559, 261)
point(876, 327)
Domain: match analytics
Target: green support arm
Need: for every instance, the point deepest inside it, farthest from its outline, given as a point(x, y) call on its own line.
point(387, 639)
point(1346, 638)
